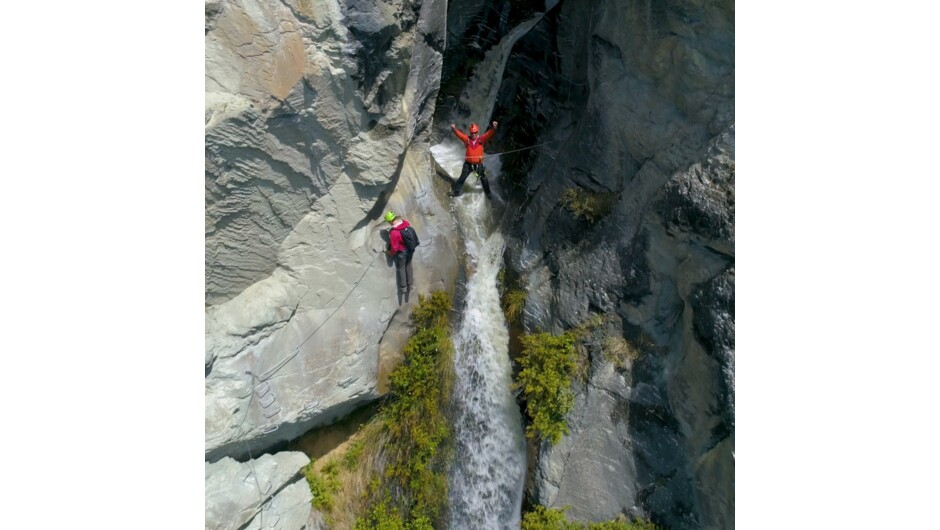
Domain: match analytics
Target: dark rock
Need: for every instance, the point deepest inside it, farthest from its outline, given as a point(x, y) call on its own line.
point(649, 116)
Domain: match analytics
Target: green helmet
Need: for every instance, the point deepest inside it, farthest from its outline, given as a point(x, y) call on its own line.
point(390, 216)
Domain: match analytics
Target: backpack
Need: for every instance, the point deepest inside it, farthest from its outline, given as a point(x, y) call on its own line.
point(410, 238)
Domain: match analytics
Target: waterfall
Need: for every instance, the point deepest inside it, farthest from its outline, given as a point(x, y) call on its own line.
point(483, 86)
point(489, 469)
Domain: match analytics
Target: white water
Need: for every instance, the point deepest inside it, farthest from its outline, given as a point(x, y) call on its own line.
point(489, 468)
point(486, 483)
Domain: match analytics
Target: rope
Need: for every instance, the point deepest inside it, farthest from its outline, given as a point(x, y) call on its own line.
point(257, 487)
point(271, 371)
point(522, 149)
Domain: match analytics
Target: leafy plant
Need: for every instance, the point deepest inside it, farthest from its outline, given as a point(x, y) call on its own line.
point(542, 518)
point(385, 516)
point(323, 485)
point(353, 453)
point(547, 363)
point(432, 311)
point(415, 421)
point(393, 473)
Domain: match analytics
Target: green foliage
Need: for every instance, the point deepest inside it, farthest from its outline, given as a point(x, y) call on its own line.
point(385, 516)
point(432, 311)
point(587, 205)
point(323, 485)
point(547, 363)
point(415, 420)
point(381, 517)
point(542, 518)
point(513, 304)
point(353, 454)
point(393, 473)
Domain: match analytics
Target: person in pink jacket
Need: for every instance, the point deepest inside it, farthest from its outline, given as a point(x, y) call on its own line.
point(473, 158)
point(400, 252)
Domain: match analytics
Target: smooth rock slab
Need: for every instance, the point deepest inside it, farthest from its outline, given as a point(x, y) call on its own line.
point(303, 155)
point(269, 490)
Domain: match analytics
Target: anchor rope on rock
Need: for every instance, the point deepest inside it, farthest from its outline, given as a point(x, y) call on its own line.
point(254, 475)
point(268, 374)
point(280, 364)
point(522, 149)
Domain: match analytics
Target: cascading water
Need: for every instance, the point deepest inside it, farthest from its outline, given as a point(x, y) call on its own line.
point(489, 470)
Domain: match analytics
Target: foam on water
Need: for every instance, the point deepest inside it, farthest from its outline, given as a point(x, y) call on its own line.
point(486, 484)
point(489, 469)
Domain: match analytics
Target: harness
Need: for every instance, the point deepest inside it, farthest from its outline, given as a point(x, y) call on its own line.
point(471, 143)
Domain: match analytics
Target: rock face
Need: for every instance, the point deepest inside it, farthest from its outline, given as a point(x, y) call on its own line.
point(629, 212)
point(268, 492)
point(317, 116)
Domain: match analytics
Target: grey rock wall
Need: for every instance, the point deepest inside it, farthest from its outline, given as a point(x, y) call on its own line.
point(317, 117)
point(637, 99)
point(268, 492)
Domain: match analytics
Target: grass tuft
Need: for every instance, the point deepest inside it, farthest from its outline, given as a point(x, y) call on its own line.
point(587, 205)
point(513, 305)
point(542, 518)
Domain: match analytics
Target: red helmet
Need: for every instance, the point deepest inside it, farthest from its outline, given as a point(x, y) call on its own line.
point(474, 128)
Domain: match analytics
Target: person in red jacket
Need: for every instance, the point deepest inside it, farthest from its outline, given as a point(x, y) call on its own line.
point(399, 252)
point(473, 159)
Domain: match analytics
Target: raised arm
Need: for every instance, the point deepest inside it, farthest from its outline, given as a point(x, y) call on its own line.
point(489, 134)
point(462, 136)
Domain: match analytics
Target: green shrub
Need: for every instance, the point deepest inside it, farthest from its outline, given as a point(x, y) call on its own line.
point(542, 518)
point(416, 422)
point(323, 485)
point(381, 517)
point(432, 311)
point(547, 363)
point(393, 473)
point(385, 516)
point(587, 205)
